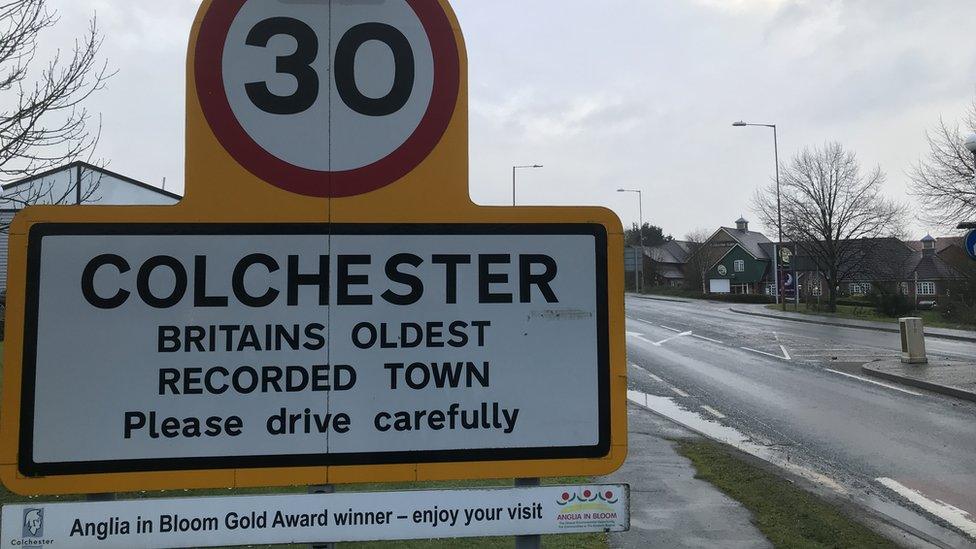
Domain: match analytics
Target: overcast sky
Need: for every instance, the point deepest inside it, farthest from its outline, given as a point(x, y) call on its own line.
point(619, 93)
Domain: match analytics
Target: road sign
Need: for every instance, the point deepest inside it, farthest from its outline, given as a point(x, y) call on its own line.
point(376, 124)
point(326, 304)
point(789, 283)
point(971, 244)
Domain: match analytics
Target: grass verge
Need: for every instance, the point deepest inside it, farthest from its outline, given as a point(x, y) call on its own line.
point(787, 515)
point(931, 318)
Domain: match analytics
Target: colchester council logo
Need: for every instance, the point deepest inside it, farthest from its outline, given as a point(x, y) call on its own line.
point(34, 523)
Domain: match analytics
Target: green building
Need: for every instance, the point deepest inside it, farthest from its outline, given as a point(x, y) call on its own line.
point(740, 260)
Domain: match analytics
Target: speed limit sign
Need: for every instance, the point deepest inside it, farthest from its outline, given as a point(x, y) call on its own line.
point(328, 99)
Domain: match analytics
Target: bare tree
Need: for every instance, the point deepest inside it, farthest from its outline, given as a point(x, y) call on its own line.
point(830, 208)
point(700, 260)
point(43, 123)
point(945, 182)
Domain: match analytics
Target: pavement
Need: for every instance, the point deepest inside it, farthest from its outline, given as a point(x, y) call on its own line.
point(669, 506)
point(763, 311)
point(956, 379)
point(782, 391)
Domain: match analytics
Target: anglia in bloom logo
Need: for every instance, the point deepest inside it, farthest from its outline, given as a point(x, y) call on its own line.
point(588, 507)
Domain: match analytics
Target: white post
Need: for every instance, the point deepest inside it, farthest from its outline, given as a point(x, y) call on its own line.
point(322, 489)
point(776, 271)
point(528, 542)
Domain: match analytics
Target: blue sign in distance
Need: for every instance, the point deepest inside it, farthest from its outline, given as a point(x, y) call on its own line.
point(971, 244)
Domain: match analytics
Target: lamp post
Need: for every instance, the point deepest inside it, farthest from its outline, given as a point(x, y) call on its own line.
point(971, 146)
point(779, 207)
point(514, 171)
point(640, 231)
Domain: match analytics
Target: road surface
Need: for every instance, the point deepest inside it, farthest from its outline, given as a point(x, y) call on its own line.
point(794, 390)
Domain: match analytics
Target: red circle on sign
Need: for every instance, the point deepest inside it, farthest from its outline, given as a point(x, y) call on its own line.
point(208, 71)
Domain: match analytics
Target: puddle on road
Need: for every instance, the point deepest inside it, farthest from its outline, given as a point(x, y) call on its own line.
point(729, 435)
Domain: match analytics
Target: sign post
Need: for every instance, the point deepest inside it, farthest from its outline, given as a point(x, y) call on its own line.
point(326, 305)
point(971, 244)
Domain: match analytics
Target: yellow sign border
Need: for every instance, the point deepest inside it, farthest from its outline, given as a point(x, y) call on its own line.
point(219, 190)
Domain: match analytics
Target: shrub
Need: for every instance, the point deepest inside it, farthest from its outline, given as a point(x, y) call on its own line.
point(957, 310)
point(893, 305)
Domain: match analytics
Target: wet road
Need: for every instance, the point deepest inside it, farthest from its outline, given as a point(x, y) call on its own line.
point(788, 386)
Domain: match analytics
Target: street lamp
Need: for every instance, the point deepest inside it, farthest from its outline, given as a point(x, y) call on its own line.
point(640, 231)
point(514, 170)
point(779, 208)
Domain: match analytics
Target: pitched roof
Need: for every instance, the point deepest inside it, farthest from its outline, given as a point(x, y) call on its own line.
point(670, 272)
point(751, 241)
point(941, 243)
point(932, 267)
point(90, 167)
point(674, 251)
point(889, 259)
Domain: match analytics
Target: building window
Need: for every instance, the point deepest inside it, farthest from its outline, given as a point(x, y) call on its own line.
point(741, 289)
point(925, 288)
point(816, 289)
point(771, 288)
point(860, 288)
point(740, 266)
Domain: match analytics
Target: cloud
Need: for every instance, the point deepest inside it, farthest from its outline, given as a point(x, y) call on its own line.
point(739, 6)
point(619, 93)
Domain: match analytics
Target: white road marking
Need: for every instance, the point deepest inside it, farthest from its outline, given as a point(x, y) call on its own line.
point(675, 330)
point(786, 354)
point(648, 374)
point(714, 412)
point(873, 382)
point(953, 515)
point(640, 336)
point(707, 339)
point(765, 353)
point(644, 322)
point(663, 341)
point(679, 392)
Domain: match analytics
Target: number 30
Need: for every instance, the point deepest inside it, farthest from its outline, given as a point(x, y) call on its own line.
point(299, 65)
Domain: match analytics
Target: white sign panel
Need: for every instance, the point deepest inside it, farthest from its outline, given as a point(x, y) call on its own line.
point(259, 520)
point(229, 346)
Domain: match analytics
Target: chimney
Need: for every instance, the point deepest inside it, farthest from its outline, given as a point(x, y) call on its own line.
point(742, 225)
point(928, 246)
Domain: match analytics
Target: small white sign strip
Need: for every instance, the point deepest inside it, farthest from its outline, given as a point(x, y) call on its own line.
point(341, 517)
